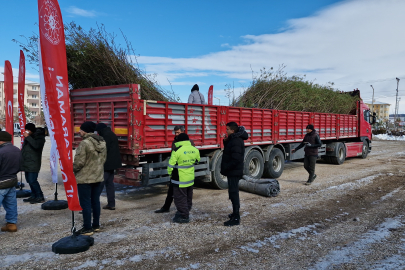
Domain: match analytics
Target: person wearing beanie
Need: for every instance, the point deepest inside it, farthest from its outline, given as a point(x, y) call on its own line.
point(88, 167)
point(196, 97)
point(181, 172)
point(112, 162)
point(169, 198)
point(34, 141)
point(311, 142)
point(10, 163)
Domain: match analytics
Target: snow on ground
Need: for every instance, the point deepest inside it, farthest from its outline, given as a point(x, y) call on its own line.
point(387, 137)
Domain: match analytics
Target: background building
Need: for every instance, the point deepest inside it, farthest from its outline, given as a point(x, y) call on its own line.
point(32, 99)
point(381, 109)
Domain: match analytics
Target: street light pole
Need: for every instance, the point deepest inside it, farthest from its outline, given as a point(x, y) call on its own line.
point(396, 106)
point(219, 100)
point(372, 101)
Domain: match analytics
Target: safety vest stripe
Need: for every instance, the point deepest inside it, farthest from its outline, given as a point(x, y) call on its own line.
point(180, 167)
point(182, 183)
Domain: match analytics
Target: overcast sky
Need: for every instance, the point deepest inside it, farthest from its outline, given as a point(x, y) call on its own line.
point(354, 44)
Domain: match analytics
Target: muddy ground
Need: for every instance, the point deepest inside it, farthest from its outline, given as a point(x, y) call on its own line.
point(352, 217)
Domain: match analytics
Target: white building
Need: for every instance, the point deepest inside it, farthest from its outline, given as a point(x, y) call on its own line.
point(32, 99)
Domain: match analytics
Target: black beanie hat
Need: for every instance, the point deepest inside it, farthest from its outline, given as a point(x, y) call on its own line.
point(88, 127)
point(182, 137)
point(5, 136)
point(100, 126)
point(310, 126)
point(195, 87)
point(30, 127)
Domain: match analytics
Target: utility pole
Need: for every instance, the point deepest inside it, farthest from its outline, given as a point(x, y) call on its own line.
point(372, 101)
point(396, 106)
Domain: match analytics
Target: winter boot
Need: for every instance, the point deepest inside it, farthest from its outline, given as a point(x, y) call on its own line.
point(234, 220)
point(84, 231)
point(180, 219)
point(29, 199)
point(162, 210)
point(309, 182)
point(9, 227)
point(38, 200)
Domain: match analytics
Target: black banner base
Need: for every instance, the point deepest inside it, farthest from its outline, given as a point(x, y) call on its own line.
point(23, 193)
point(73, 244)
point(55, 205)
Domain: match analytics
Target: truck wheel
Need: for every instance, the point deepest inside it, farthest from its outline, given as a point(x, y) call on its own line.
point(274, 167)
point(341, 155)
point(254, 164)
point(219, 181)
point(364, 151)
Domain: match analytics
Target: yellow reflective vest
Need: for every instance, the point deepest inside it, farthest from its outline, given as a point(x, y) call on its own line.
point(181, 164)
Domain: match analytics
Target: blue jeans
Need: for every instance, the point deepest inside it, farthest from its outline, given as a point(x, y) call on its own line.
point(32, 180)
point(9, 201)
point(89, 198)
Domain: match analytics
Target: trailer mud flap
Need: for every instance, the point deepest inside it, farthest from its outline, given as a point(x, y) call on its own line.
point(156, 173)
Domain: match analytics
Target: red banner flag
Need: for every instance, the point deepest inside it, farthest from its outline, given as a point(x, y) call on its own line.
point(8, 94)
point(54, 69)
point(21, 90)
point(210, 94)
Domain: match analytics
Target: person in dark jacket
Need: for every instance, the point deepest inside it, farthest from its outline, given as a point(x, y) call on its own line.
point(112, 163)
point(169, 198)
point(311, 142)
point(232, 166)
point(10, 163)
point(32, 155)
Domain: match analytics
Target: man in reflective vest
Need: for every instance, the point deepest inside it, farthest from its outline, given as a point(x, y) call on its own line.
point(181, 171)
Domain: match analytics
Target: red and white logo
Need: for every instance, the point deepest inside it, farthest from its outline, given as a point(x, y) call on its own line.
point(50, 19)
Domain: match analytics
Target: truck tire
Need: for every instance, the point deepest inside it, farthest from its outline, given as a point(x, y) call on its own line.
point(341, 155)
point(364, 151)
point(219, 181)
point(254, 164)
point(274, 167)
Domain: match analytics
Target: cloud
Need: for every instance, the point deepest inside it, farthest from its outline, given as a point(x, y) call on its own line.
point(75, 11)
point(352, 43)
point(28, 75)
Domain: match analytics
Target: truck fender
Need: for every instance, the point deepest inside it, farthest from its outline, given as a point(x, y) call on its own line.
point(250, 148)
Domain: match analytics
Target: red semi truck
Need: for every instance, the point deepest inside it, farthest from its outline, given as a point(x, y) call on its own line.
point(145, 132)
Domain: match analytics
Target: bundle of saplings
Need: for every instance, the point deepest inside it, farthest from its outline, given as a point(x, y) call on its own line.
point(274, 90)
point(95, 59)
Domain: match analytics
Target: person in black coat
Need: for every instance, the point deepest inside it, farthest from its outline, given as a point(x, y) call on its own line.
point(311, 142)
point(112, 163)
point(232, 166)
point(31, 151)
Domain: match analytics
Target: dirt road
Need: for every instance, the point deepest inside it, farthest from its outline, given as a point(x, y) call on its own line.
point(352, 217)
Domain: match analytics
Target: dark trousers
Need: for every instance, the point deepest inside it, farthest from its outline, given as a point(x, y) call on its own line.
point(32, 180)
point(109, 187)
point(233, 192)
point(89, 198)
point(183, 199)
point(169, 197)
point(309, 165)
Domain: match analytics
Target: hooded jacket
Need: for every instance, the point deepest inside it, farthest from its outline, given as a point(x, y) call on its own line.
point(181, 164)
point(90, 157)
point(113, 150)
point(196, 97)
point(234, 153)
point(32, 151)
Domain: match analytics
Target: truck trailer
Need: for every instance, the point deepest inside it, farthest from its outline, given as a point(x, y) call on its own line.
point(145, 132)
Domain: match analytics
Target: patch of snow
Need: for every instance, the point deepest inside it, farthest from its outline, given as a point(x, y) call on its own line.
point(87, 264)
point(359, 249)
point(387, 137)
point(8, 260)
